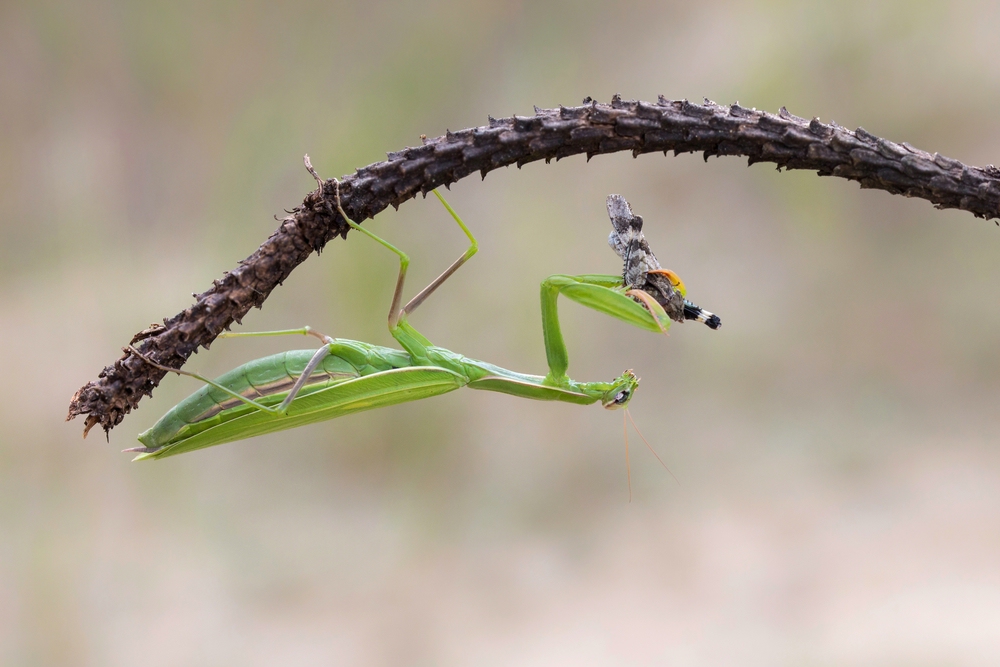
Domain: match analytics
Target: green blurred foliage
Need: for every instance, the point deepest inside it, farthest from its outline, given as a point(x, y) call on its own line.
point(835, 441)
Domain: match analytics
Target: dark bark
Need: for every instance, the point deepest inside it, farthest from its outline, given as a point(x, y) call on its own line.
point(640, 127)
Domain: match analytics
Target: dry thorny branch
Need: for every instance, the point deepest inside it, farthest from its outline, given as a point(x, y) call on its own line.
point(593, 129)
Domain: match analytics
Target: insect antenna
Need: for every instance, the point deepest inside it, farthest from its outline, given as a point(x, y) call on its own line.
point(628, 467)
point(650, 447)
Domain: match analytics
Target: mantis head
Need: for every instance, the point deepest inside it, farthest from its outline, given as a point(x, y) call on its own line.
point(621, 391)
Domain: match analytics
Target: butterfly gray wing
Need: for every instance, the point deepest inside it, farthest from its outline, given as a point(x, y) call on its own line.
point(627, 241)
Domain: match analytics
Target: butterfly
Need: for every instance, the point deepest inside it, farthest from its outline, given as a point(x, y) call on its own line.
point(642, 273)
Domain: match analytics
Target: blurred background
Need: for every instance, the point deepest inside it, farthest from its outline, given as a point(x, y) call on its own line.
point(835, 441)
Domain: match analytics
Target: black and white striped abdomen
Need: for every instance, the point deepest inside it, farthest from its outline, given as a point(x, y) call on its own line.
point(694, 312)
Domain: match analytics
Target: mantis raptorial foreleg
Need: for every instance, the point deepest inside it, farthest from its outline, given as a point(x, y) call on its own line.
point(599, 292)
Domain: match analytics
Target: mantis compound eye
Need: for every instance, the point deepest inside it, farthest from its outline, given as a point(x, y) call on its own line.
point(620, 394)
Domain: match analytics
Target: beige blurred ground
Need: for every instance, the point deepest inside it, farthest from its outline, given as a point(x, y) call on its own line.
point(836, 442)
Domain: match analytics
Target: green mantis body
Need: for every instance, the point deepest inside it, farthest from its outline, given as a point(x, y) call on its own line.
point(299, 387)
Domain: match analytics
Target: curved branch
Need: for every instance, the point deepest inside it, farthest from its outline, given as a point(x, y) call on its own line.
point(593, 129)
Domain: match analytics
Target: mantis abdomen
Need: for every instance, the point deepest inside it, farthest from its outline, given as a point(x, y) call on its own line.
point(196, 420)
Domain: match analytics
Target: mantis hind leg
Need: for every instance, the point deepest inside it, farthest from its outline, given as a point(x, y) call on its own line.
point(304, 331)
point(235, 394)
point(282, 408)
point(314, 363)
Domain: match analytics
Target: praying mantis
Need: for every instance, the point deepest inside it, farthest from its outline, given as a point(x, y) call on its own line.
point(299, 387)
